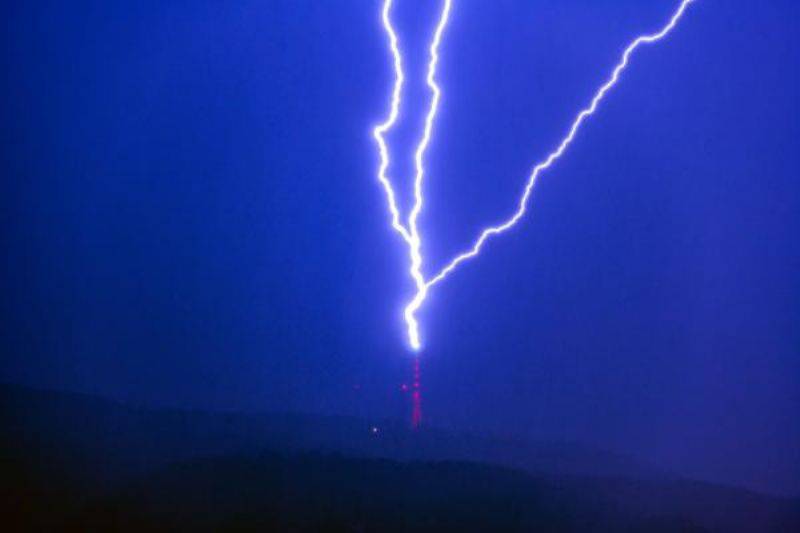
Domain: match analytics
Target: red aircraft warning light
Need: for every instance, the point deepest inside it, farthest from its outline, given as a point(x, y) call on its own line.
point(416, 399)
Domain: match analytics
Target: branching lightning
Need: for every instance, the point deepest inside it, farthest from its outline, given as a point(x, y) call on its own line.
point(416, 241)
point(410, 233)
point(381, 129)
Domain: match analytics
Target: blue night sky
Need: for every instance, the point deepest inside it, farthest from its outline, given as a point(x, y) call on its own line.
point(191, 217)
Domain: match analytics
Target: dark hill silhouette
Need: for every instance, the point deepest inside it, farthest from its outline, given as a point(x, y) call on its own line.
point(77, 461)
point(133, 440)
point(323, 493)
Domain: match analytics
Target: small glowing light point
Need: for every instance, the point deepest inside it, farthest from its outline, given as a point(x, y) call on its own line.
point(410, 233)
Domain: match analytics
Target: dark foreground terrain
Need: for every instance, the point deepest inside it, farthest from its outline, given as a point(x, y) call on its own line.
point(74, 462)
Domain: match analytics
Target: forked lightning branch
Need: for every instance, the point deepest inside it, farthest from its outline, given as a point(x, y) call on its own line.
point(408, 229)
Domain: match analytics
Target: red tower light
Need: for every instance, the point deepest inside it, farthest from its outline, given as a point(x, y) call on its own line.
point(416, 398)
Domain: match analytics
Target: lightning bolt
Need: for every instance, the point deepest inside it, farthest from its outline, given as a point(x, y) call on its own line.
point(381, 129)
point(416, 241)
point(411, 234)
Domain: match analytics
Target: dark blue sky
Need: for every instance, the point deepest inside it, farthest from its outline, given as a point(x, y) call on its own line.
point(191, 217)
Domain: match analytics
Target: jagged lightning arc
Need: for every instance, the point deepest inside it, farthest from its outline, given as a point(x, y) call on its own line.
point(410, 234)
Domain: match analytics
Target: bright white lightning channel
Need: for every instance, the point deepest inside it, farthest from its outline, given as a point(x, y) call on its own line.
point(410, 234)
